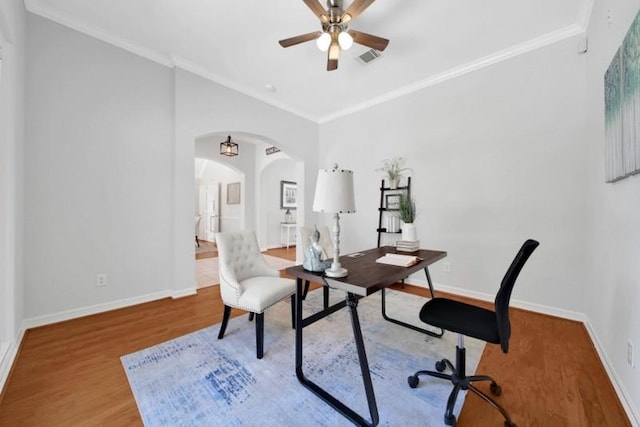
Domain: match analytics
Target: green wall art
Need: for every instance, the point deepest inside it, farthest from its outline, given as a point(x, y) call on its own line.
point(622, 108)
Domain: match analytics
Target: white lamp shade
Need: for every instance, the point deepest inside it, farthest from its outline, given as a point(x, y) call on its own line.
point(334, 191)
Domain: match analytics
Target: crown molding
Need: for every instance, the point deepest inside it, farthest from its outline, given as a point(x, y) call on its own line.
point(584, 15)
point(528, 46)
point(494, 58)
point(98, 34)
point(205, 74)
point(167, 61)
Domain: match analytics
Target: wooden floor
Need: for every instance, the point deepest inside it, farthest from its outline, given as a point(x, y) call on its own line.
point(211, 252)
point(69, 373)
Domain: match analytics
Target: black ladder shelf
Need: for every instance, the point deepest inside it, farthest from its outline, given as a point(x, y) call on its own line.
point(404, 189)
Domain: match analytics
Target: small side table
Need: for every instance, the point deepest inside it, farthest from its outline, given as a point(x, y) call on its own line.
point(288, 233)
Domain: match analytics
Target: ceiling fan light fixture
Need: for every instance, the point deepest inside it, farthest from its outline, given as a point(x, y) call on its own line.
point(334, 51)
point(345, 40)
point(324, 41)
point(335, 35)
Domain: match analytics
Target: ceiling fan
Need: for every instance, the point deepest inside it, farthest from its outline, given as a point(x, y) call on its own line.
point(335, 34)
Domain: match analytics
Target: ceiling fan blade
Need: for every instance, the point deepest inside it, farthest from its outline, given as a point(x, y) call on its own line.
point(317, 8)
point(375, 42)
point(356, 8)
point(332, 64)
point(300, 39)
point(334, 53)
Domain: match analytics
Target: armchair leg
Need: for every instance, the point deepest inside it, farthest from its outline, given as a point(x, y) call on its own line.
point(251, 316)
point(225, 320)
point(259, 334)
point(325, 293)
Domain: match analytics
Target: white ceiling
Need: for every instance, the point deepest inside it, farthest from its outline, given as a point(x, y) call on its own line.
point(235, 42)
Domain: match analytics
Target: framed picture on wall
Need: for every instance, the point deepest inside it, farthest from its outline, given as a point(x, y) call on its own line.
point(233, 193)
point(393, 201)
point(288, 194)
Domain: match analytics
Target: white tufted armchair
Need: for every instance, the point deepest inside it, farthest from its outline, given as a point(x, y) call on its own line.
point(247, 282)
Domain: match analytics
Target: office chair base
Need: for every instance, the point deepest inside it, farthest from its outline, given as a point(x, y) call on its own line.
point(461, 382)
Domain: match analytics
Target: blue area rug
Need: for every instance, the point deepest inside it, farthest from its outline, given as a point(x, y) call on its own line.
point(198, 380)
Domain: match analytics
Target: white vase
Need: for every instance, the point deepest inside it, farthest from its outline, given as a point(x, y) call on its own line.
point(409, 232)
point(393, 183)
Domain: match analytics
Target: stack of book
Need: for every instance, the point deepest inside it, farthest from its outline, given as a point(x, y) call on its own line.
point(407, 245)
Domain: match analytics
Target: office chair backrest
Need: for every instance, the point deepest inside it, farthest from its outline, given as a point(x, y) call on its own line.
point(504, 294)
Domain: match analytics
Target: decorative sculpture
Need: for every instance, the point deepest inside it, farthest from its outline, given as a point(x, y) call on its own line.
point(315, 256)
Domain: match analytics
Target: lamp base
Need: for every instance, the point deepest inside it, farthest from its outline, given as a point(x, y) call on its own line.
point(336, 272)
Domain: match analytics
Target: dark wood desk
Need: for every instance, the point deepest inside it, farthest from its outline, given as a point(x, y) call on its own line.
point(365, 277)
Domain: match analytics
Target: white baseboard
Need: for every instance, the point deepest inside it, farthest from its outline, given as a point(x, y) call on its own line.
point(9, 357)
point(61, 316)
point(621, 391)
point(482, 296)
point(266, 248)
point(623, 395)
point(186, 292)
point(8, 351)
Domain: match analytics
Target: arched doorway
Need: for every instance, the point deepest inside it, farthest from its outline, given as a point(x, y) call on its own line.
point(256, 173)
point(253, 159)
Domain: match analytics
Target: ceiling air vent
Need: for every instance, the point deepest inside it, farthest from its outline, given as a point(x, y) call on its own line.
point(369, 56)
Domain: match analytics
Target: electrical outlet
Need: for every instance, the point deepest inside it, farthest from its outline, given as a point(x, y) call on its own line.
point(630, 354)
point(101, 279)
point(446, 267)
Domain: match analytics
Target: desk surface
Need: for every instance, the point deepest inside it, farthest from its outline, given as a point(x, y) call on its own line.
point(366, 276)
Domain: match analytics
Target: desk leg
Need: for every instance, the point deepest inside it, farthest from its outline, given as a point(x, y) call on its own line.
point(299, 326)
point(349, 413)
point(352, 302)
point(407, 325)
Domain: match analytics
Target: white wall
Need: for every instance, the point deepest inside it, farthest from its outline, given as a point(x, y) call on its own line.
point(203, 108)
point(98, 182)
point(497, 157)
point(281, 169)
point(109, 170)
point(12, 40)
point(231, 216)
point(613, 267)
point(241, 167)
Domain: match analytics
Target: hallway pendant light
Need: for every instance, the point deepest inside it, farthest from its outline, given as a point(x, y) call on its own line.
point(229, 148)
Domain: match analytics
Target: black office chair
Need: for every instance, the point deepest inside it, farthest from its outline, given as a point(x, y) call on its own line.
point(476, 322)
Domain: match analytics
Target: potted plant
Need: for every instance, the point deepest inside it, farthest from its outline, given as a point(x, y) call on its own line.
point(393, 169)
point(407, 209)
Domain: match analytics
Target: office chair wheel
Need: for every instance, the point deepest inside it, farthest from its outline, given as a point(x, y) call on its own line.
point(496, 390)
point(450, 420)
point(440, 366)
point(413, 381)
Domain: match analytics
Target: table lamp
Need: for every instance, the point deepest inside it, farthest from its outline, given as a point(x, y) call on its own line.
point(334, 194)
